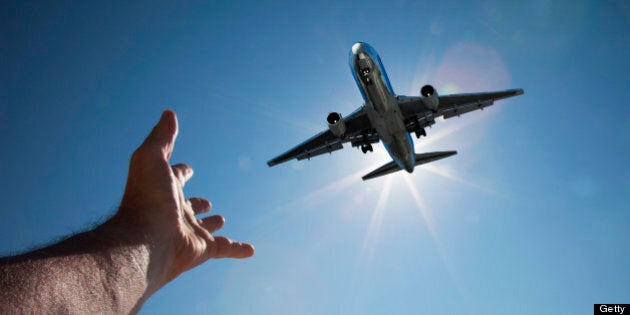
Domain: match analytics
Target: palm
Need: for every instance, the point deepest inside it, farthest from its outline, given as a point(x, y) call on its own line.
point(154, 200)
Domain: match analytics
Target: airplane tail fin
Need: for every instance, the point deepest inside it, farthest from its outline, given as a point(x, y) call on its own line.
point(421, 158)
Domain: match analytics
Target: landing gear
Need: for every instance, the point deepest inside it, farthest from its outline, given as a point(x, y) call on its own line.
point(420, 132)
point(366, 147)
point(365, 73)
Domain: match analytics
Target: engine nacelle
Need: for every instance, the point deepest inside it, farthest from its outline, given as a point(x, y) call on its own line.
point(430, 97)
point(336, 124)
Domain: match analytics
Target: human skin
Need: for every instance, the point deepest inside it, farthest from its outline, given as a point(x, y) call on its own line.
point(114, 268)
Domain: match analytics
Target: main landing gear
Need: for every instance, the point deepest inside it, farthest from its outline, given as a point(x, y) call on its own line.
point(420, 132)
point(366, 147)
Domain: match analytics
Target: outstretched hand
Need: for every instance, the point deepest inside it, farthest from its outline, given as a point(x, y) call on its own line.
point(154, 206)
point(114, 268)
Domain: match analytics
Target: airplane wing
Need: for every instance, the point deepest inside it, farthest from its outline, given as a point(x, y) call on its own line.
point(416, 114)
point(359, 131)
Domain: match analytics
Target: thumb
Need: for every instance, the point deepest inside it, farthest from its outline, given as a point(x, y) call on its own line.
point(163, 135)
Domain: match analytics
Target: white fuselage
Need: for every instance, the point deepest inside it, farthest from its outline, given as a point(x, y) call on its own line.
point(381, 106)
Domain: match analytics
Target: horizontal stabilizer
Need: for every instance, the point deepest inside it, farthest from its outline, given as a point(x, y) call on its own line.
point(422, 158)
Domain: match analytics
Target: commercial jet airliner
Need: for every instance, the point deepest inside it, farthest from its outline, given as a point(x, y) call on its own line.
point(388, 117)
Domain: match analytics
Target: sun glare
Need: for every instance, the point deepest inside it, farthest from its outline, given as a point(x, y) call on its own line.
point(428, 220)
point(450, 74)
point(448, 174)
point(367, 249)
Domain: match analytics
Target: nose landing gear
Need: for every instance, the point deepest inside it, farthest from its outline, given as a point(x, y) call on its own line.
point(365, 74)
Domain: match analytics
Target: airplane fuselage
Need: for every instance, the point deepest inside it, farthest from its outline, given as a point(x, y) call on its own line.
point(388, 118)
point(380, 104)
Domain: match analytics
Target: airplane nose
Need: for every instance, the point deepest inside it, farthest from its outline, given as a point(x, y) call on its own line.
point(361, 48)
point(358, 47)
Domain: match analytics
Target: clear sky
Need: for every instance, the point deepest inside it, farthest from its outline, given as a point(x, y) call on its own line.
point(531, 216)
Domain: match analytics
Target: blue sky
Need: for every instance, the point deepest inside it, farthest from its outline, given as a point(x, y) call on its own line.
point(531, 215)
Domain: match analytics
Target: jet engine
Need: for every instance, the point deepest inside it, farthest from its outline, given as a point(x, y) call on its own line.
point(430, 97)
point(336, 124)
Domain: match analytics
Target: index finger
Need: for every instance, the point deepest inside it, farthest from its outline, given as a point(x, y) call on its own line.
point(182, 172)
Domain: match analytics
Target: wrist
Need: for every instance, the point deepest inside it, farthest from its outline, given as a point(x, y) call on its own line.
point(149, 256)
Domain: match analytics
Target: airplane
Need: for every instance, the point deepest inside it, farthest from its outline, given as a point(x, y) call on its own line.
point(388, 117)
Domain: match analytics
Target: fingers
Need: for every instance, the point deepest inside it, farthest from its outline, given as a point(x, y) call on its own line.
point(183, 173)
point(212, 223)
point(226, 248)
point(200, 205)
point(163, 135)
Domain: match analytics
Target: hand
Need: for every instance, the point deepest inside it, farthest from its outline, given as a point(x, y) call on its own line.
point(155, 209)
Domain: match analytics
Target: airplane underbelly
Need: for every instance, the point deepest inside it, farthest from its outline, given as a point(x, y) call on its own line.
point(393, 133)
point(401, 151)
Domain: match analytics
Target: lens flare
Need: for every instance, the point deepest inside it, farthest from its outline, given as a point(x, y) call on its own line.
point(367, 250)
point(428, 219)
point(435, 169)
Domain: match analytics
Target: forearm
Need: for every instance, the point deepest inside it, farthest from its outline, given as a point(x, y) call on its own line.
point(91, 272)
point(154, 237)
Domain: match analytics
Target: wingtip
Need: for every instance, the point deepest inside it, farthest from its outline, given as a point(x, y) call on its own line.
point(519, 92)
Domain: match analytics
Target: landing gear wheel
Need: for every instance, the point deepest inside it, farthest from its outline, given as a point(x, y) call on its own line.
point(420, 132)
point(367, 147)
